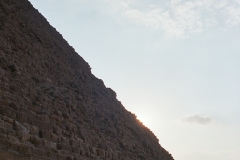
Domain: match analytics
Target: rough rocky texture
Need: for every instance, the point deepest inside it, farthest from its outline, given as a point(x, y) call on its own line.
point(51, 106)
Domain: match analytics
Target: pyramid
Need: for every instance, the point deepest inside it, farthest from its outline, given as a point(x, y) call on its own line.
point(52, 107)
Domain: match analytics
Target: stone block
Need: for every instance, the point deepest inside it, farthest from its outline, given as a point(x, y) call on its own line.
point(57, 130)
point(64, 140)
point(88, 154)
point(73, 142)
point(93, 150)
point(85, 147)
point(114, 156)
point(53, 145)
point(67, 133)
point(24, 149)
point(82, 152)
point(4, 103)
point(7, 111)
point(8, 125)
point(69, 158)
point(5, 155)
point(34, 130)
point(75, 150)
point(45, 135)
point(100, 152)
point(2, 72)
point(42, 125)
point(3, 136)
point(61, 157)
point(35, 140)
point(110, 156)
point(36, 158)
point(51, 155)
point(14, 147)
point(58, 118)
point(4, 143)
point(62, 146)
point(5, 80)
point(14, 106)
point(38, 152)
point(59, 124)
point(46, 119)
point(64, 152)
point(59, 113)
point(45, 143)
point(14, 68)
point(19, 126)
point(23, 136)
point(28, 112)
point(54, 137)
point(7, 119)
point(65, 115)
point(23, 117)
point(13, 139)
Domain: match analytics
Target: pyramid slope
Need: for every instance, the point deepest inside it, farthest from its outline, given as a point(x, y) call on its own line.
point(52, 106)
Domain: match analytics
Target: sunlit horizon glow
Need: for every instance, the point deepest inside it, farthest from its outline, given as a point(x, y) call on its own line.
point(175, 64)
point(144, 120)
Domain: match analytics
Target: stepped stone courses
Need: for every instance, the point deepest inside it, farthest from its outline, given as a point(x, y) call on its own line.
point(51, 106)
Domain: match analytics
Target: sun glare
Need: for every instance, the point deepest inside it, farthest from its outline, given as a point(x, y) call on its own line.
point(144, 119)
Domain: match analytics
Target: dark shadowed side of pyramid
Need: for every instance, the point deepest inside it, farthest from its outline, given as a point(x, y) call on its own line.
point(51, 106)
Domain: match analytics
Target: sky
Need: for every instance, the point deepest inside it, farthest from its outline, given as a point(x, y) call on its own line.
point(175, 64)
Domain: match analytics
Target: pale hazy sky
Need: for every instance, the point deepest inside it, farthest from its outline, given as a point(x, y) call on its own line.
point(175, 64)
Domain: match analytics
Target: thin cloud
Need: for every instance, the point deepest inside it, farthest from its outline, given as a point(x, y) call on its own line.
point(233, 12)
point(175, 22)
point(196, 119)
point(181, 18)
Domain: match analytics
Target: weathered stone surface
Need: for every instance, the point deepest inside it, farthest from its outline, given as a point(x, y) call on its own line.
point(51, 106)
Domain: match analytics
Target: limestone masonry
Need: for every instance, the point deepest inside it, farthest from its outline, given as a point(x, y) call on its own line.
point(51, 106)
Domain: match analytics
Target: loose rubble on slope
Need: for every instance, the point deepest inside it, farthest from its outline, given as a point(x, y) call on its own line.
point(51, 106)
